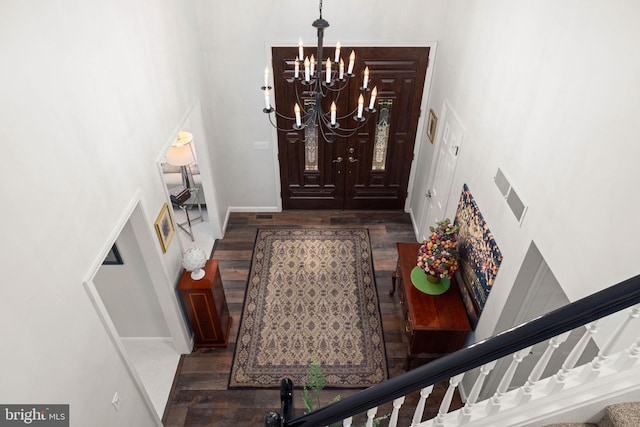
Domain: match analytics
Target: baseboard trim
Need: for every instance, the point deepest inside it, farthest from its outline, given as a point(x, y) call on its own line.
point(147, 339)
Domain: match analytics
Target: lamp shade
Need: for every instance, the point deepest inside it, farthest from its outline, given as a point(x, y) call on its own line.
point(181, 152)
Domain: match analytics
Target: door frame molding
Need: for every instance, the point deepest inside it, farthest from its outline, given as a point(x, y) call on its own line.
point(422, 121)
point(163, 287)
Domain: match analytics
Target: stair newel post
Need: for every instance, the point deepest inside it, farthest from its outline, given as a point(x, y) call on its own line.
point(286, 399)
point(493, 405)
point(557, 382)
point(592, 370)
point(397, 404)
point(272, 419)
point(465, 415)
point(525, 392)
point(419, 412)
point(446, 400)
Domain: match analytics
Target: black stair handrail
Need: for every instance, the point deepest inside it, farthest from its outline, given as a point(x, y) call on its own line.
point(586, 310)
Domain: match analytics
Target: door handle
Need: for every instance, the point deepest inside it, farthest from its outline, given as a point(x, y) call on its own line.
point(352, 160)
point(338, 160)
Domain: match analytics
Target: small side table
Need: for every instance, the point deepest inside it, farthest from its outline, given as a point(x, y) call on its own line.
point(206, 306)
point(185, 206)
point(434, 324)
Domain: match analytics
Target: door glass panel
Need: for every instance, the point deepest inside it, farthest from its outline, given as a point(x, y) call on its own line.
point(310, 139)
point(381, 141)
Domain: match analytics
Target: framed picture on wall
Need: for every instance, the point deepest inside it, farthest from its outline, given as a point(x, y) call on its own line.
point(164, 227)
point(431, 125)
point(113, 257)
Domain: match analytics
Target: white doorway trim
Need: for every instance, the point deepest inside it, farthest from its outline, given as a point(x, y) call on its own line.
point(163, 287)
point(193, 122)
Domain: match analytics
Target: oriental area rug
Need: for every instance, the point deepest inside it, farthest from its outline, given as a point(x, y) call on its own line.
point(311, 296)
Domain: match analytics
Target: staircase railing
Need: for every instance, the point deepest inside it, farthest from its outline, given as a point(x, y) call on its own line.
point(484, 354)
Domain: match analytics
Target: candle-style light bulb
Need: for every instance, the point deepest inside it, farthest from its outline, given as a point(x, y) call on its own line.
point(352, 60)
point(266, 76)
point(296, 111)
point(337, 56)
point(328, 71)
point(372, 101)
point(334, 109)
point(297, 68)
point(366, 77)
point(300, 49)
point(313, 65)
point(360, 106)
point(267, 103)
point(306, 69)
point(341, 68)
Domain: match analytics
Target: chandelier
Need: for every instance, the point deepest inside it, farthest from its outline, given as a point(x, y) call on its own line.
point(322, 79)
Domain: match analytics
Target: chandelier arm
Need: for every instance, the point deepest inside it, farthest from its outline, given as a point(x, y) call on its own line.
point(323, 134)
point(282, 116)
point(345, 133)
point(351, 114)
point(319, 89)
point(276, 126)
point(343, 84)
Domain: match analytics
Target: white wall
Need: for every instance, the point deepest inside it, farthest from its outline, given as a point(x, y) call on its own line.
point(90, 95)
point(128, 294)
point(548, 91)
point(235, 36)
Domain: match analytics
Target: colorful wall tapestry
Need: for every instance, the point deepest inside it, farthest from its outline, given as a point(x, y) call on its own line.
point(480, 256)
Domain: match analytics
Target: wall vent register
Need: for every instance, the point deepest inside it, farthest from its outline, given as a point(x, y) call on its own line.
point(515, 203)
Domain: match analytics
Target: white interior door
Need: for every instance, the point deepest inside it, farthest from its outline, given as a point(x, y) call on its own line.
point(449, 138)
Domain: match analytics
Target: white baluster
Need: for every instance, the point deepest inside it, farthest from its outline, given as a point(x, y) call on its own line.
point(465, 415)
point(446, 400)
point(371, 413)
point(397, 404)
point(493, 406)
point(558, 380)
point(347, 422)
point(592, 370)
point(629, 357)
point(524, 394)
point(417, 415)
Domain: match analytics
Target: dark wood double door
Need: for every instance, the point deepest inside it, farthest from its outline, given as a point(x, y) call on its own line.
point(370, 168)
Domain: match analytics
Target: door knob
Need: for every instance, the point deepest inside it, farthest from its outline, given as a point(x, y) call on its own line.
point(338, 160)
point(352, 160)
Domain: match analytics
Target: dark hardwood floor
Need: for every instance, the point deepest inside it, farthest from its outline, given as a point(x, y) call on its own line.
point(199, 396)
